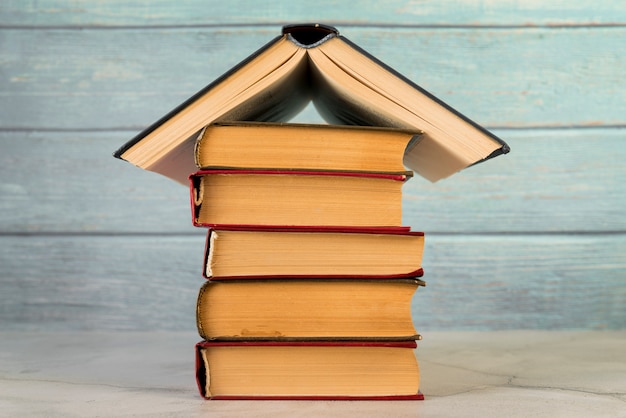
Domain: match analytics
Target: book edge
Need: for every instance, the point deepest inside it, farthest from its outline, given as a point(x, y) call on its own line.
point(504, 147)
point(415, 397)
point(396, 230)
point(299, 172)
point(407, 343)
point(378, 277)
point(201, 372)
point(155, 125)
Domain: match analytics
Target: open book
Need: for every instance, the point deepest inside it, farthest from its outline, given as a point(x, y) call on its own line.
point(347, 85)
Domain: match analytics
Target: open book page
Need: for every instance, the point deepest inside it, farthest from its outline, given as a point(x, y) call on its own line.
point(355, 89)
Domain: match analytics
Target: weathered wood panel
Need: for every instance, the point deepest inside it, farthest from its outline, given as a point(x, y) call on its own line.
point(555, 180)
point(112, 79)
point(151, 283)
point(515, 282)
point(357, 12)
point(535, 239)
point(90, 283)
point(70, 182)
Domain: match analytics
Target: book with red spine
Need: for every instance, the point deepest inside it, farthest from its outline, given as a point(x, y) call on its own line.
point(314, 370)
point(296, 198)
point(236, 252)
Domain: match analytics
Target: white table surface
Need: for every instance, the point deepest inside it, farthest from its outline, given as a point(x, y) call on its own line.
point(464, 374)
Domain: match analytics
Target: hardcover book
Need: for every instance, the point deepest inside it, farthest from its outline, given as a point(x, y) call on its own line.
point(312, 370)
point(296, 198)
point(310, 309)
point(349, 86)
point(295, 146)
point(255, 252)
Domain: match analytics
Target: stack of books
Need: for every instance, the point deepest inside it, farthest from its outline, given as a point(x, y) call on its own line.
point(310, 271)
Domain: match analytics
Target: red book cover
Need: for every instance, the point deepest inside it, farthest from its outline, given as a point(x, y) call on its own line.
point(416, 271)
point(203, 375)
point(390, 176)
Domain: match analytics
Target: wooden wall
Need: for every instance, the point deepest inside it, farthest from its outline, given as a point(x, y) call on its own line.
point(535, 239)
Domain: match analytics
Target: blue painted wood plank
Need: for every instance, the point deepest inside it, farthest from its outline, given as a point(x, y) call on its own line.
point(126, 79)
point(534, 239)
point(553, 181)
point(70, 182)
point(356, 12)
point(524, 282)
point(473, 283)
point(96, 283)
